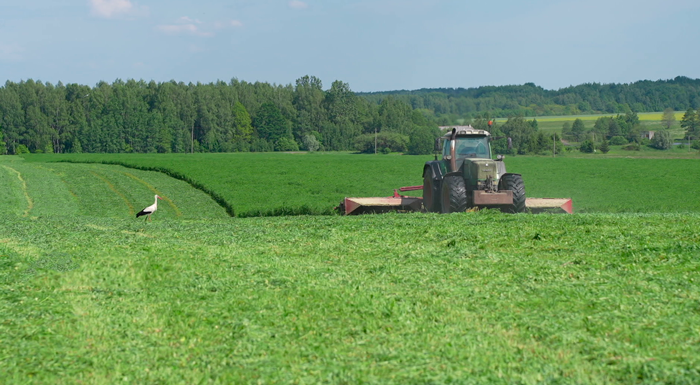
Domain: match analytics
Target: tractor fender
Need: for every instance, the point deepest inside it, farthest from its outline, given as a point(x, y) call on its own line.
point(432, 176)
point(501, 168)
point(434, 168)
point(501, 177)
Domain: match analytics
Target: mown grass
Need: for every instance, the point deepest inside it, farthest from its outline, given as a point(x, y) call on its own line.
point(88, 294)
point(415, 298)
point(271, 184)
point(46, 189)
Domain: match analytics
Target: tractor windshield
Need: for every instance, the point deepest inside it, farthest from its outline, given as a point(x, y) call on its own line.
point(469, 147)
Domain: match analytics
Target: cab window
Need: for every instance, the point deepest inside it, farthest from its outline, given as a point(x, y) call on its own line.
point(472, 147)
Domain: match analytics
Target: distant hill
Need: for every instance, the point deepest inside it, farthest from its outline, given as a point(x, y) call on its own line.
point(529, 99)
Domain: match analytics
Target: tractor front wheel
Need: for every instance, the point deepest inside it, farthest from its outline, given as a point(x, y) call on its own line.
point(514, 183)
point(454, 194)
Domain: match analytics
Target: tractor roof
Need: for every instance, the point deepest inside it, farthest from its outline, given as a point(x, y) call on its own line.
point(465, 131)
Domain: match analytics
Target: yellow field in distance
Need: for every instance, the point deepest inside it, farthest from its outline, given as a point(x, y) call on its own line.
point(643, 116)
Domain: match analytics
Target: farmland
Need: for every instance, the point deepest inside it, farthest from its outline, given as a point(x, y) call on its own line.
point(91, 295)
point(278, 183)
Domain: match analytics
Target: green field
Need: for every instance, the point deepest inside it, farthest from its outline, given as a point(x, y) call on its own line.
point(278, 183)
point(44, 189)
point(89, 294)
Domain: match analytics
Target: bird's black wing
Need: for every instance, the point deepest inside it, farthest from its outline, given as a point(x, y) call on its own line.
point(142, 212)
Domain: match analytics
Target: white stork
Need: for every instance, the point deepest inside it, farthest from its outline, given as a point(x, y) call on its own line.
point(149, 210)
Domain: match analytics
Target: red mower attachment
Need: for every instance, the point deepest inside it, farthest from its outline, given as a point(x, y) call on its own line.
point(403, 203)
point(400, 203)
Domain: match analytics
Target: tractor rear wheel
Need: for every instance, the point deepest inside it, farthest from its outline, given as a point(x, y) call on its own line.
point(454, 194)
point(429, 202)
point(514, 183)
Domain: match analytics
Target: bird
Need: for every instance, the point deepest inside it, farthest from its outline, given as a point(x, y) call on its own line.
point(149, 210)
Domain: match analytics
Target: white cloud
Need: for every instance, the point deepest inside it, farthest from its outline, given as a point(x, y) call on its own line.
point(296, 4)
point(180, 29)
point(110, 9)
point(188, 20)
point(228, 24)
point(10, 52)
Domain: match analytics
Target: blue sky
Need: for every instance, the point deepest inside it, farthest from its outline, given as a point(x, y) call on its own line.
point(373, 45)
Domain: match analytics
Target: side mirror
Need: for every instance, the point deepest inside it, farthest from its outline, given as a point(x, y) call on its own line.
point(438, 145)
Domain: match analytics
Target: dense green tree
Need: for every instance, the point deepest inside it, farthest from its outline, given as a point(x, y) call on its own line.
point(139, 116)
point(522, 134)
point(11, 117)
point(578, 130)
point(341, 106)
point(395, 116)
point(307, 100)
point(271, 126)
point(566, 130)
point(531, 100)
point(422, 140)
point(691, 123)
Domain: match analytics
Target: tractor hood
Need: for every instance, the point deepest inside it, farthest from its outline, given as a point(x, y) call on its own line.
point(479, 169)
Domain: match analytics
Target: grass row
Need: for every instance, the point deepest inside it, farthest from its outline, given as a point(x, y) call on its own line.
point(462, 298)
point(47, 189)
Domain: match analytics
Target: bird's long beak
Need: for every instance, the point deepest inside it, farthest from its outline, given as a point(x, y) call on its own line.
point(159, 197)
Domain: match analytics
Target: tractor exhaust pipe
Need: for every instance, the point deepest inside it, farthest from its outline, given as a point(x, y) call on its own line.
point(453, 152)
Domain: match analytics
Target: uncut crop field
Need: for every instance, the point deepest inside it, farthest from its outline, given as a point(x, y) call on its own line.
point(90, 294)
point(272, 183)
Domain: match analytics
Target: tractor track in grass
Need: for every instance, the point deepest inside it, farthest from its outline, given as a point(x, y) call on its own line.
point(30, 203)
point(132, 211)
point(155, 191)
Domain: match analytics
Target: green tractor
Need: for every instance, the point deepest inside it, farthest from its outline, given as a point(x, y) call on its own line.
point(468, 177)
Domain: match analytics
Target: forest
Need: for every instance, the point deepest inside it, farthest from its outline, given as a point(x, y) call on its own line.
point(238, 116)
point(448, 104)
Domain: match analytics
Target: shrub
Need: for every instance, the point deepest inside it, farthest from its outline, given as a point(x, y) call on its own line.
point(587, 146)
point(662, 140)
point(311, 143)
point(286, 144)
point(395, 142)
point(260, 145)
point(618, 140)
point(634, 146)
point(695, 145)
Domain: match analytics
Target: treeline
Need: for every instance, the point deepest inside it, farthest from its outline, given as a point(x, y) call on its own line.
point(448, 105)
point(138, 116)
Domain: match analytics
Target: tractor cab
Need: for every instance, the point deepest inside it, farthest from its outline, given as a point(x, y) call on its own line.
point(471, 146)
point(463, 145)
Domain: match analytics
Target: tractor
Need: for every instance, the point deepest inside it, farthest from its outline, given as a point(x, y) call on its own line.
point(468, 177)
